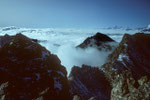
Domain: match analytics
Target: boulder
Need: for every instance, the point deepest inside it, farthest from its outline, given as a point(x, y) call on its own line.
point(29, 71)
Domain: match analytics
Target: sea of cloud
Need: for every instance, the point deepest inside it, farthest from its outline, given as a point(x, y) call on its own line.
point(63, 42)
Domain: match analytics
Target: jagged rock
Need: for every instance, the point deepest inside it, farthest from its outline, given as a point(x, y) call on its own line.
point(142, 80)
point(88, 82)
point(128, 68)
point(126, 88)
point(92, 98)
point(76, 97)
point(100, 41)
point(38, 41)
point(6, 38)
point(132, 54)
point(3, 88)
point(31, 70)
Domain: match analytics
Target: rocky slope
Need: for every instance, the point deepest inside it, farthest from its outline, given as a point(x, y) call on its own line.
point(128, 68)
point(87, 82)
point(90, 82)
point(99, 41)
point(132, 54)
point(29, 71)
point(126, 73)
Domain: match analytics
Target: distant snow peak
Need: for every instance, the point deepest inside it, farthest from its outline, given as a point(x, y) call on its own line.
point(148, 26)
point(9, 28)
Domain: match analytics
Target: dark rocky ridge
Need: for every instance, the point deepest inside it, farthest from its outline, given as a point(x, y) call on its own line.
point(128, 68)
point(127, 71)
point(132, 54)
point(87, 82)
point(29, 71)
point(38, 41)
point(100, 41)
point(90, 82)
point(7, 38)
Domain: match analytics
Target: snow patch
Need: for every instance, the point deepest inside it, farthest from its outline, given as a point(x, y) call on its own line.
point(29, 47)
point(57, 85)
point(113, 69)
point(49, 71)
point(44, 55)
point(123, 56)
point(59, 72)
point(125, 45)
point(38, 76)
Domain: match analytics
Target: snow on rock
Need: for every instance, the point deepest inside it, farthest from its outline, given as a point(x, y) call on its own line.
point(44, 55)
point(131, 61)
point(87, 82)
point(123, 56)
point(38, 76)
point(30, 69)
point(57, 85)
point(99, 41)
point(59, 72)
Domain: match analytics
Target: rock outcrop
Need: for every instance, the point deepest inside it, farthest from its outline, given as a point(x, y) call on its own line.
point(128, 68)
point(29, 71)
point(87, 82)
point(132, 54)
point(100, 41)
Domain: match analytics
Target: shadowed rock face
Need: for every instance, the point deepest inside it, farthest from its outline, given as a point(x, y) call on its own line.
point(30, 71)
point(100, 41)
point(132, 54)
point(128, 68)
point(87, 82)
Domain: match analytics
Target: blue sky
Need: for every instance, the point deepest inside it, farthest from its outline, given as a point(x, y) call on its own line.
point(74, 13)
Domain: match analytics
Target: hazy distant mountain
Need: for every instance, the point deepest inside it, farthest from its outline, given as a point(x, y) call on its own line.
point(139, 29)
point(147, 29)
